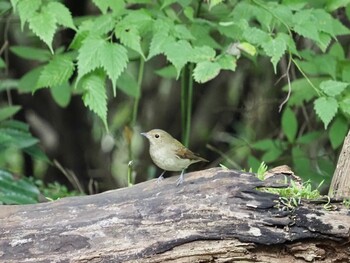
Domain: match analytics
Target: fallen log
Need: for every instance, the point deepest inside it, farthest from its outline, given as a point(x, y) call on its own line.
point(217, 215)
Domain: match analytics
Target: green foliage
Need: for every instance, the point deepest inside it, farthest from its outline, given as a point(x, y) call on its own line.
point(14, 191)
point(292, 196)
point(53, 191)
point(111, 39)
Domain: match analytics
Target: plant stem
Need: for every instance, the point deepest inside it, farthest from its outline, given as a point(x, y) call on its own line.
point(184, 101)
point(189, 105)
point(133, 120)
point(137, 99)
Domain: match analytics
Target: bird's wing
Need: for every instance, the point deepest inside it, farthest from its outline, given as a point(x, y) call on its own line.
point(184, 153)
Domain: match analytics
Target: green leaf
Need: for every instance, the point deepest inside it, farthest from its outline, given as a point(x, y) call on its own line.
point(344, 105)
point(31, 53)
point(256, 36)
point(129, 36)
point(346, 72)
point(89, 55)
point(248, 48)
point(17, 191)
point(35, 152)
point(205, 71)
point(56, 72)
point(227, 62)
point(181, 32)
point(61, 13)
point(113, 59)
point(158, 41)
point(102, 5)
point(202, 53)
point(167, 72)
point(333, 88)
point(213, 3)
point(326, 108)
point(27, 9)
point(44, 26)
point(61, 94)
point(29, 81)
point(289, 124)
point(8, 111)
point(338, 131)
point(178, 53)
point(302, 91)
point(128, 84)
point(16, 137)
point(94, 96)
point(274, 48)
point(309, 137)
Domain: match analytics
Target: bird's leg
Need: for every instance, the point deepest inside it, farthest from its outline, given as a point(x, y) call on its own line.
point(181, 178)
point(160, 178)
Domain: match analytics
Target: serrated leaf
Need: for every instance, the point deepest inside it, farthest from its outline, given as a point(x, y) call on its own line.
point(103, 24)
point(61, 13)
point(61, 94)
point(326, 108)
point(56, 72)
point(338, 131)
point(35, 152)
point(289, 124)
point(205, 71)
point(44, 26)
point(102, 5)
point(129, 36)
point(31, 53)
point(275, 48)
point(346, 72)
point(305, 24)
point(181, 32)
point(203, 53)
point(333, 88)
point(8, 111)
point(256, 36)
point(88, 55)
point(302, 91)
point(94, 96)
point(178, 53)
point(227, 62)
point(158, 41)
point(128, 84)
point(113, 59)
point(27, 9)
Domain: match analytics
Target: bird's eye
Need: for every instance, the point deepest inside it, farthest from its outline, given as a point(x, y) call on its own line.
point(156, 135)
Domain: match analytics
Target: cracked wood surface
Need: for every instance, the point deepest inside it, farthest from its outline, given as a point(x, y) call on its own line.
point(217, 215)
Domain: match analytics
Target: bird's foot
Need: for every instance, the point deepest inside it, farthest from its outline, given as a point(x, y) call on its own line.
point(160, 178)
point(181, 179)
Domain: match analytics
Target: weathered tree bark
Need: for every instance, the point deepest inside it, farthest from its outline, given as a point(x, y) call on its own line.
point(217, 215)
point(340, 186)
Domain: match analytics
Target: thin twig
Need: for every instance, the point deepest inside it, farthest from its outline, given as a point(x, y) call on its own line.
point(288, 81)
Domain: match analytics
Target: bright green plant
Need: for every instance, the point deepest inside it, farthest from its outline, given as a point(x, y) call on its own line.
point(199, 39)
point(14, 191)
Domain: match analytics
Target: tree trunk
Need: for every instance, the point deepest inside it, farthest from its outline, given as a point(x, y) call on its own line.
point(217, 215)
point(340, 186)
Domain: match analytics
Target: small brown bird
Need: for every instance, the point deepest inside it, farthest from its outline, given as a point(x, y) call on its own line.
point(169, 154)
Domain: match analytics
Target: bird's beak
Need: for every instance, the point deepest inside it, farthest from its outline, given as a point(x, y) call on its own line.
point(144, 134)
